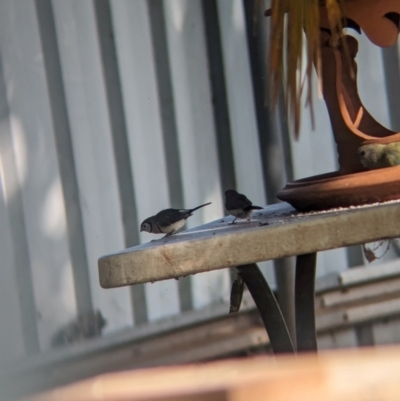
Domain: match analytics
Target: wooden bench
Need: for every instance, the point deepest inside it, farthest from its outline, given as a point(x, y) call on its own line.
point(274, 232)
point(355, 375)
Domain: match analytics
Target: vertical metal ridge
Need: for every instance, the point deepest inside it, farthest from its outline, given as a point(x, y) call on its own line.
point(16, 218)
point(284, 130)
point(169, 128)
point(219, 93)
point(65, 159)
point(270, 142)
point(391, 67)
point(116, 111)
point(166, 101)
point(117, 120)
point(219, 99)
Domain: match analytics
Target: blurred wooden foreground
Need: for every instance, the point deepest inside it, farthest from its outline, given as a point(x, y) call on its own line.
point(368, 375)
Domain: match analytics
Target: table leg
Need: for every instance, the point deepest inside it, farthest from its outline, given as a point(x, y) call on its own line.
point(268, 307)
point(304, 302)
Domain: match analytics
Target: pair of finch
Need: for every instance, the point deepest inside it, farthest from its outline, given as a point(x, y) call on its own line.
point(169, 221)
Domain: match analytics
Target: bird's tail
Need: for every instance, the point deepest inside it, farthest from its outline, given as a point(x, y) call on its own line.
point(256, 207)
point(198, 207)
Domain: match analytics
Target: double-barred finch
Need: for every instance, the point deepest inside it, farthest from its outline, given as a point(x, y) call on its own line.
point(168, 221)
point(378, 155)
point(239, 205)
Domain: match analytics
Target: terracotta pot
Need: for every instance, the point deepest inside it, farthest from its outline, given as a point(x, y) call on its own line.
point(352, 124)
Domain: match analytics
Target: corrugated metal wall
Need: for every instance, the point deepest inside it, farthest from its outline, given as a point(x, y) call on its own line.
point(113, 110)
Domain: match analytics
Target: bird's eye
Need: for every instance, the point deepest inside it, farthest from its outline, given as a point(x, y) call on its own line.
point(362, 153)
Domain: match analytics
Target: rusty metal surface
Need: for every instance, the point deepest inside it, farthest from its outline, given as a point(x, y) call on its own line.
point(274, 232)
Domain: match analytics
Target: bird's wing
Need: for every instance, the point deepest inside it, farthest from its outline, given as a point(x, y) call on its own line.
point(239, 202)
point(170, 216)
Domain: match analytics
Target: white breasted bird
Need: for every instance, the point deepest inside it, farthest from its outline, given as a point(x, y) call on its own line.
point(239, 205)
point(168, 221)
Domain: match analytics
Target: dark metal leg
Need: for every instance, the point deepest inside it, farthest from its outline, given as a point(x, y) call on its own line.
point(304, 302)
point(268, 307)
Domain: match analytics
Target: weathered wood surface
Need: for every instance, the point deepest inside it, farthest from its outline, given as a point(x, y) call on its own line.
point(371, 374)
point(349, 299)
point(274, 232)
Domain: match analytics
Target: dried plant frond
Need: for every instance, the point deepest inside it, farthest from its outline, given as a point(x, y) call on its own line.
point(292, 23)
point(334, 13)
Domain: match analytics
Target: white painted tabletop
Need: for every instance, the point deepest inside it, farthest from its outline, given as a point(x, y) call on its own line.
point(274, 232)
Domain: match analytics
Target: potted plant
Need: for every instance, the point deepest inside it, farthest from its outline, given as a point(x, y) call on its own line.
point(333, 55)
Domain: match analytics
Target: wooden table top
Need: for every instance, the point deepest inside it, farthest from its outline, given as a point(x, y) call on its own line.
point(274, 232)
point(357, 375)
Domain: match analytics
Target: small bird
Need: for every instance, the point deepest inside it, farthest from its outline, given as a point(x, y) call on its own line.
point(168, 221)
point(378, 155)
point(239, 205)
